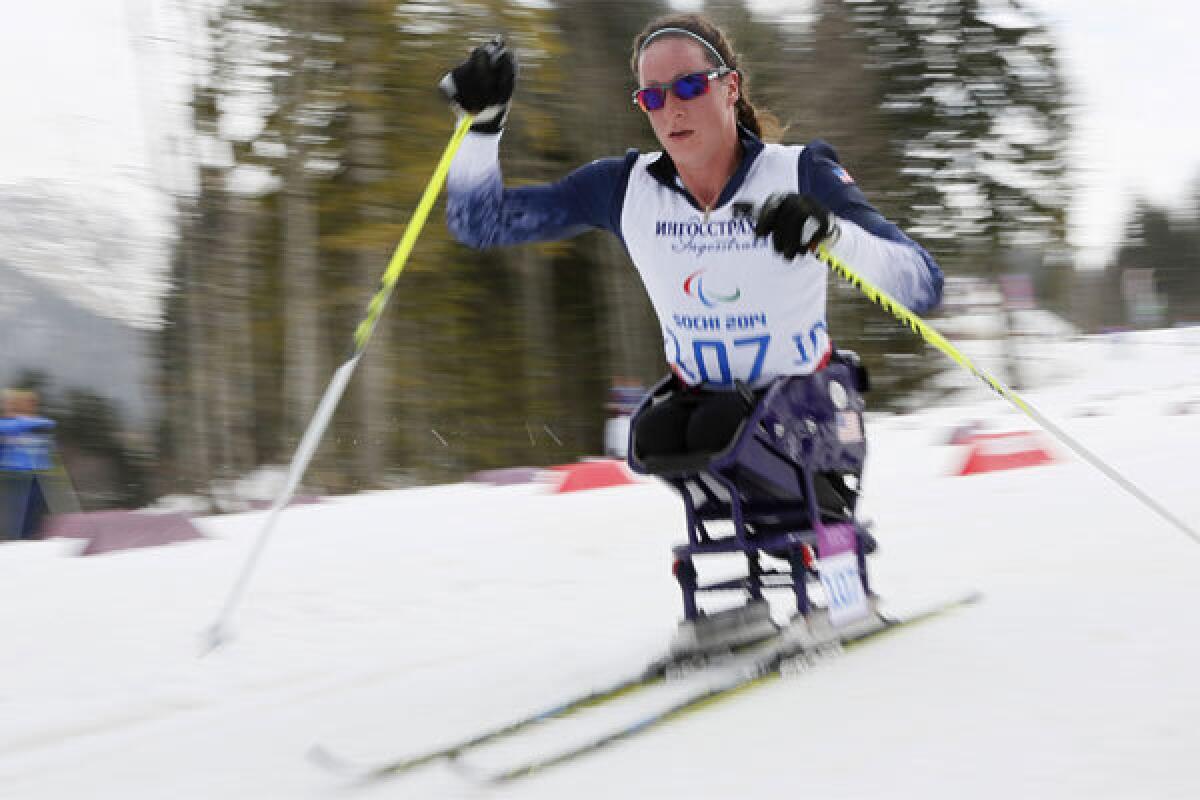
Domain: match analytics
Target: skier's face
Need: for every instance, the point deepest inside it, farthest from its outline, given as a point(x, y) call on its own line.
point(693, 132)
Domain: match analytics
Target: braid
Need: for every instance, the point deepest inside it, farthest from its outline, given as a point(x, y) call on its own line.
point(762, 124)
point(747, 114)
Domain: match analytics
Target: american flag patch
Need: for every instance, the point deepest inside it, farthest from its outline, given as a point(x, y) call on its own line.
point(841, 174)
point(849, 427)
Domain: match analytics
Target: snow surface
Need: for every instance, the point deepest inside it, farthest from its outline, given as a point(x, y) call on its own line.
point(385, 623)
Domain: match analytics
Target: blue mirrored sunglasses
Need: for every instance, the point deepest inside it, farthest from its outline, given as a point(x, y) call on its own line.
point(685, 87)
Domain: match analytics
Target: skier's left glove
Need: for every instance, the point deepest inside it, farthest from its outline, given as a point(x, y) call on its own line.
point(483, 85)
point(796, 223)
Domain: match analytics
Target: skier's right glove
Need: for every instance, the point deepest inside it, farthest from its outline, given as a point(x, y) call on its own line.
point(483, 85)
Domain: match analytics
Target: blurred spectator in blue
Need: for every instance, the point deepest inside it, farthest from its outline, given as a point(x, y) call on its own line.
point(25, 458)
point(624, 396)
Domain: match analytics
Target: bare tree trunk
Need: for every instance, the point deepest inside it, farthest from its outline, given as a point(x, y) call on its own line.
point(530, 267)
point(600, 58)
point(238, 332)
point(414, 403)
point(194, 453)
point(218, 400)
point(228, 393)
point(302, 354)
point(365, 151)
point(634, 339)
point(537, 331)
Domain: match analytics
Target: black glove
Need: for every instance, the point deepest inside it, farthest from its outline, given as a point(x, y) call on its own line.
point(796, 223)
point(483, 85)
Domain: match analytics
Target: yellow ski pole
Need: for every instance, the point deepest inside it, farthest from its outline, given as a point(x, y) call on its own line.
point(927, 332)
point(220, 631)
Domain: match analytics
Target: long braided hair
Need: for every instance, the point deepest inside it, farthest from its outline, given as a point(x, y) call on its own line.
point(762, 124)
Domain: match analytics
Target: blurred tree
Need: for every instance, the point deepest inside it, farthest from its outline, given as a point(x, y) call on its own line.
point(107, 471)
point(302, 113)
point(184, 336)
point(953, 115)
point(974, 93)
point(208, 376)
point(1168, 244)
point(601, 122)
point(358, 142)
point(1189, 312)
point(832, 88)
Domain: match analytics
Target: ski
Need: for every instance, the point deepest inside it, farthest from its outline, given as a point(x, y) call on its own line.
point(778, 662)
point(651, 675)
point(364, 772)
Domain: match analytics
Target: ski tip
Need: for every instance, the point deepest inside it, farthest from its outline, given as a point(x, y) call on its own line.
point(907, 615)
point(322, 757)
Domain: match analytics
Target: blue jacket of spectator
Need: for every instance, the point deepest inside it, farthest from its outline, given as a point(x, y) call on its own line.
point(25, 444)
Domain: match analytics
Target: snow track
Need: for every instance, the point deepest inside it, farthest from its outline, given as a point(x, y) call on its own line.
point(393, 621)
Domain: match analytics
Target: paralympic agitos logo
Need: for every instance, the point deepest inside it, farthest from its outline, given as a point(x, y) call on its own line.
point(693, 286)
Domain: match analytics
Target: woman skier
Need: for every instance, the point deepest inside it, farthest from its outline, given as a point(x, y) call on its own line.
point(720, 225)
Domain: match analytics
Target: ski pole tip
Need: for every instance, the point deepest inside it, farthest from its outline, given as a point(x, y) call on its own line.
point(214, 637)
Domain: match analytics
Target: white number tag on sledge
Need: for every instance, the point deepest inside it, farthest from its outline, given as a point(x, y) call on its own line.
point(843, 588)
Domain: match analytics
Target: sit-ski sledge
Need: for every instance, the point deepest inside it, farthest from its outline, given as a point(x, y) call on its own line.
point(784, 488)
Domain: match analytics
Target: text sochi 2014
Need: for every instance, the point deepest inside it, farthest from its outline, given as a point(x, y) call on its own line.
point(720, 322)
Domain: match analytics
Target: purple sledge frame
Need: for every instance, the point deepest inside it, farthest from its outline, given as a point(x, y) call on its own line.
point(801, 426)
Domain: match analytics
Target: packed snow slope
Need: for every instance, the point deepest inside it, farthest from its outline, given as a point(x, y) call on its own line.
point(389, 622)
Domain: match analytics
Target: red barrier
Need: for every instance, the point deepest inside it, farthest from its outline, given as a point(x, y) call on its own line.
point(988, 452)
point(593, 475)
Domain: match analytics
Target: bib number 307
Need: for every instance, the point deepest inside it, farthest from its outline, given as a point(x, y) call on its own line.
point(717, 361)
point(843, 588)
